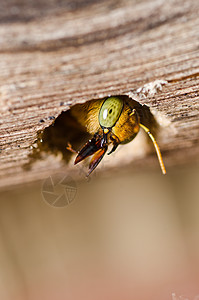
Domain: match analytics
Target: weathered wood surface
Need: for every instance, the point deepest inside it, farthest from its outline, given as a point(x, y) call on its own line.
point(54, 55)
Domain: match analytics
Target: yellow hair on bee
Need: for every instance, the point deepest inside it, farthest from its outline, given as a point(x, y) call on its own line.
point(127, 126)
point(87, 114)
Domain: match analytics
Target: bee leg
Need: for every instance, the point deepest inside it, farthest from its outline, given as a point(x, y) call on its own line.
point(116, 142)
point(70, 148)
point(88, 149)
point(113, 149)
point(97, 157)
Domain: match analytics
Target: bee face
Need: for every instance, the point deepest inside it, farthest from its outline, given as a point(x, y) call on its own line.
point(112, 121)
point(116, 115)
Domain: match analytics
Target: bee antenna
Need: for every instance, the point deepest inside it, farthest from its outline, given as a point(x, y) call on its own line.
point(156, 148)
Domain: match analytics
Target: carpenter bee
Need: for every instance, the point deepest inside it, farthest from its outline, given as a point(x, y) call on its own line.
point(111, 121)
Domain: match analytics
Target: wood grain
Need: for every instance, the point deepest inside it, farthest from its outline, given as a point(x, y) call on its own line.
point(55, 55)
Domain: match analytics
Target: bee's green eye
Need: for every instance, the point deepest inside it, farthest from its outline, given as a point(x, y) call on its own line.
point(110, 112)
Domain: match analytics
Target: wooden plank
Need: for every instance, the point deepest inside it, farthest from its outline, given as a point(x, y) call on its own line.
point(70, 54)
